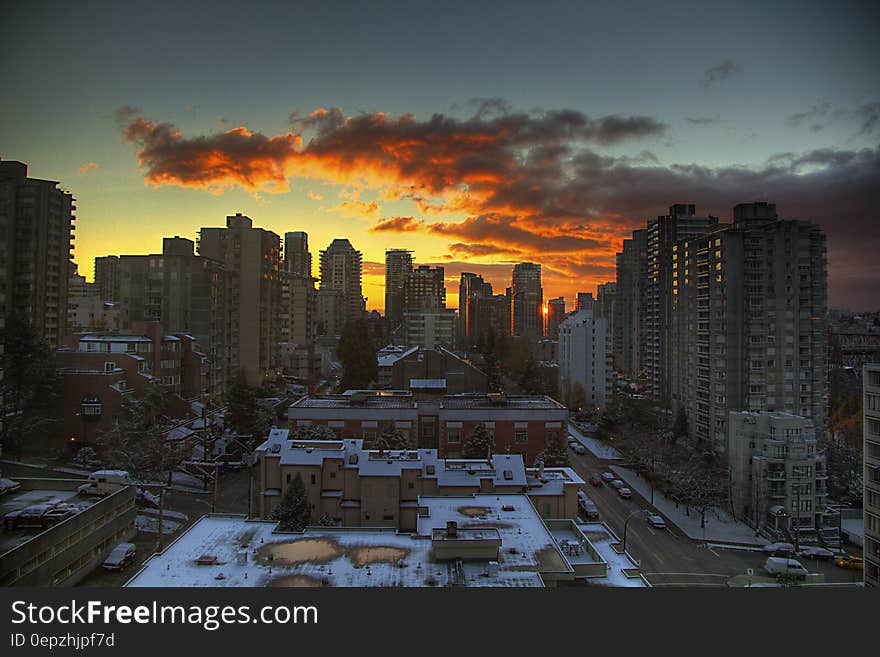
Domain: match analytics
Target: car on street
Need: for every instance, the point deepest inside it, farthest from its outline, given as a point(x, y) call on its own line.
point(120, 556)
point(625, 493)
point(587, 506)
point(779, 549)
point(617, 484)
point(608, 476)
point(597, 481)
point(778, 566)
point(8, 486)
point(656, 521)
point(579, 449)
point(816, 553)
point(850, 562)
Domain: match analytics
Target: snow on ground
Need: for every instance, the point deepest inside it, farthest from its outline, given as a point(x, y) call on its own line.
point(183, 481)
point(167, 513)
point(601, 538)
point(151, 525)
point(597, 447)
point(720, 526)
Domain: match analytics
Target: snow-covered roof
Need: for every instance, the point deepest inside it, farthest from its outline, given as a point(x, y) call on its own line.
point(423, 384)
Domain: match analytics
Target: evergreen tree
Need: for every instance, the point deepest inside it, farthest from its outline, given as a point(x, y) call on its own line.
point(357, 353)
point(29, 387)
point(530, 376)
point(313, 432)
point(479, 444)
point(680, 428)
point(393, 438)
point(294, 510)
point(555, 454)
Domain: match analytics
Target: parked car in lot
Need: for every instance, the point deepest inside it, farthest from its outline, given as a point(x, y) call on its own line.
point(608, 476)
point(8, 486)
point(779, 549)
point(816, 553)
point(851, 562)
point(657, 522)
point(104, 482)
point(39, 515)
point(778, 566)
point(120, 556)
point(596, 480)
point(625, 493)
point(617, 484)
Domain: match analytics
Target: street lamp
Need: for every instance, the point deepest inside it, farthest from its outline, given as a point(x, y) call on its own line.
point(626, 523)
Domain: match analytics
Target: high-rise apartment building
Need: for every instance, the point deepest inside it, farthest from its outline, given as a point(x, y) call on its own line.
point(871, 500)
point(584, 359)
point(299, 312)
point(749, 322)
point(341, 271)
point(252, 259)
point(605, 299)
point(629, 307)
point(107, 277)
point(398, 265)
point(662, 233)
point(527, 301)
point(183, 291)
point(297, 257)
point(424, 289)
point(471, 289)
point(36, 240)
point(555, 315)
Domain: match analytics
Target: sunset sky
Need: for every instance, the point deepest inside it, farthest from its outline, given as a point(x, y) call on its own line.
point(476, 134)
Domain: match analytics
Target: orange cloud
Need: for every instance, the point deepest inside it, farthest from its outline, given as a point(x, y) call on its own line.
point(88, 167)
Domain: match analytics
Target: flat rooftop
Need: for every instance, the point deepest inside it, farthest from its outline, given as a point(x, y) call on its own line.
point(222, 550)
point(25, 498)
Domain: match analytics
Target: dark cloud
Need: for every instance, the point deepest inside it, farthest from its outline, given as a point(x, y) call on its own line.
point(865, 118)
point(723, 71)
point(397, 225)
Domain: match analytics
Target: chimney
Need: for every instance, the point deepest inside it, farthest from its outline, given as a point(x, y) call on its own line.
point(451, 529)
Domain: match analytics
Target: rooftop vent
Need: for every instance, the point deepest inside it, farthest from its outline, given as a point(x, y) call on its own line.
point(451, 529)
point(275, 448)
point(508, 475)
point(429, 469)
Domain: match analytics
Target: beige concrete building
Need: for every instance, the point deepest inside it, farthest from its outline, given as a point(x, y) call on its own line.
point(871, 409)
point(778, 476)
point(356, 487)
point(429, 329)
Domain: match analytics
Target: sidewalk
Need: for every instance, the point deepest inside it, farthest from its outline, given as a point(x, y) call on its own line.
point(597, 447)
point(720, 526)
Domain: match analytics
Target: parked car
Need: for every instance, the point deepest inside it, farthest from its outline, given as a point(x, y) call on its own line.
point(778, 566)
point(779, 549)
point(817, 553)
point(146, 498)
point(625, 493)
point(8, 486)
point(608, 476)
point(851, 562)
point(104, 482)
point(120, 556)
point(597, 481)
point(657, 522)
point(587, 506)
point(39, 515)
point(617, 484)
point(579, 449)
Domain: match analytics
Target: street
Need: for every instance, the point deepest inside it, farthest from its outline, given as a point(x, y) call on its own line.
point(668, 557)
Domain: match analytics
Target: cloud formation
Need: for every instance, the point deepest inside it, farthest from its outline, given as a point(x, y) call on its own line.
point(87, 167)
point(720, 72)
point(529, 186)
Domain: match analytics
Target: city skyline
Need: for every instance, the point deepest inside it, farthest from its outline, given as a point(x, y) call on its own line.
point(551, 151)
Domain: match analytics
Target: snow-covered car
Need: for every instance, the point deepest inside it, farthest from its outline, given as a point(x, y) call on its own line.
point(625, 493)
point(577, 448)
point(587, 506)
point(608, 476)
point(779, 549)
point(617, 484)
point(8, 486)
point(39, 515)
point(657, 522)
point(120, 556)
point(816, 553)
point(146, 498)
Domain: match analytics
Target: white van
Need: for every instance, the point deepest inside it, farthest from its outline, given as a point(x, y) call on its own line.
point(104, 482)
point(777, 566)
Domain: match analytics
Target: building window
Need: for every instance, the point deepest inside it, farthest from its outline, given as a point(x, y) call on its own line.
point(453, 436)
point(522, 436)
point(109, 366)
point(313, 479)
